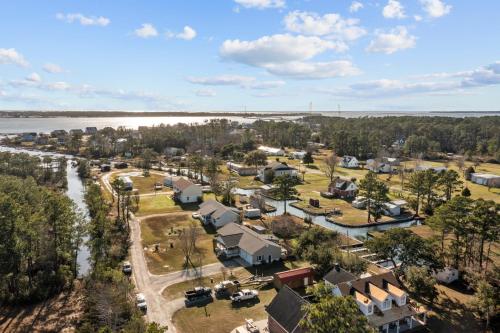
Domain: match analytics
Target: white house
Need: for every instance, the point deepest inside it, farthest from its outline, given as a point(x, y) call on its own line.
point(272, 151)
point(486, 179)
point(383, 292)
point(214, 213)
point(242, 170)
point(275, 169)
point(384, 165)
point(436, 169)
point(186, 191)
point(298, 154)
point(349, 162)
point(236, 240)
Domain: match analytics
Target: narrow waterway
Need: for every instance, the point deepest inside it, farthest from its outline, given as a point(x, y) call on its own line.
point(321, 220)
point(75, 192)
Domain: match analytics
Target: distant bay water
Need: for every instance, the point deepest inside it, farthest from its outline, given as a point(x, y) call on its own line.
point(45, 125)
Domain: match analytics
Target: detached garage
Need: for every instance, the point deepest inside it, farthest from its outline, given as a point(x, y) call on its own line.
point(294, 278)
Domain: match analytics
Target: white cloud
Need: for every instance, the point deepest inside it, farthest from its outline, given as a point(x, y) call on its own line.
point(187, 33)
point(206, 93)
point(389, 42)
point(60, 85)
point(84, 20)
point(52, 68)
point(314, 70)
point(276, 49)
point(287, 55)
point(355, 6)
point(394, 9)
point(331, 25)
point(432, 84)
point(146, 30)
point(261, 4)
point(34, 77)
point(11, 56)
point(236, 80)
point(435, 8)
point(417, 18)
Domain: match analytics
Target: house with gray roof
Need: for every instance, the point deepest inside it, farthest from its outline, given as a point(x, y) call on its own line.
point(186, 191)
point(218, 215)
point(285, 312)
point(275, 169)
point(236, 240)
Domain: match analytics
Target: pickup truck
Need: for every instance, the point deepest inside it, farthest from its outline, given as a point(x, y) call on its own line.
point(198, 300)
point(244, 295)
point(198, 291)
point(226, 287)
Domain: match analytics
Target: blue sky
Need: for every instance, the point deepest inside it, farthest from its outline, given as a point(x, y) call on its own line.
point(281, 55)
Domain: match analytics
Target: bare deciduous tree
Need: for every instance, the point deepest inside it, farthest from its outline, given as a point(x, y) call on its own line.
point(330, 165)
point(187, 243)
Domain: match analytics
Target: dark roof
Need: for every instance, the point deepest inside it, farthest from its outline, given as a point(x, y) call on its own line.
point(279, 166)
point(362, 285)
point(340, 184)
point(182, 184)
point(286, 309)
point(338, 275)
point(230, 240)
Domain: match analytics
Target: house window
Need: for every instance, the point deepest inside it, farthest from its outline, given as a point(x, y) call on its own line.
point(370, 308)
point(387, 302)
point(403, 300)
point(259, 258)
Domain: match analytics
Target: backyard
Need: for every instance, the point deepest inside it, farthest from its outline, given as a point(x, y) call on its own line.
point(164, 230)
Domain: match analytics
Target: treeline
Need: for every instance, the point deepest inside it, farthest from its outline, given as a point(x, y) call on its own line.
point(40, 232)
point(109, 294)
point(283, 133)
point(46, 171)
point(364, 137)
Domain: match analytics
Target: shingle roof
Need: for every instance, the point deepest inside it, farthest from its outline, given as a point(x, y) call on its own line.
point(215, 208)
point(279, 166)
point(286, 308)
point(363, 285)
point(182, 184)
point(250, 241)
point(338, 275)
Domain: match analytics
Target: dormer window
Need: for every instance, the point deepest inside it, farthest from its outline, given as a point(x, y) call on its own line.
point(370, 308)
point(387, 304)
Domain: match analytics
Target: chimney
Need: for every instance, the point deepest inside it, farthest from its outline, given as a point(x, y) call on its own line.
point(337, 267)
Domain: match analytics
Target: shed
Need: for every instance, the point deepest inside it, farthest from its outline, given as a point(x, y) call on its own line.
point(294, 278)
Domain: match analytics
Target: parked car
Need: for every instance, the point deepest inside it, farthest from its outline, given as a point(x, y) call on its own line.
point(198, 291)
point(127, 267)
point(244, 295)
point(140, 301)
point(198, 300)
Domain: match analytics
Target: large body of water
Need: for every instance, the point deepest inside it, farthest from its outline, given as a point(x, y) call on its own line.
point(76, 193)
point(45, 125)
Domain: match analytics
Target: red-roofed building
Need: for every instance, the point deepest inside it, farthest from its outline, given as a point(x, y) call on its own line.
point(294, 278)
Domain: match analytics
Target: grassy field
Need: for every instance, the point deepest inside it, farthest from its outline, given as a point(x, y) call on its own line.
point(221, 316)
point(157, 204)
point(165, 230)
point(146, 184)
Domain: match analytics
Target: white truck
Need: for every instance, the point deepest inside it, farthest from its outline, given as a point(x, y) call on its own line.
point(244, 295)
point(140, 301)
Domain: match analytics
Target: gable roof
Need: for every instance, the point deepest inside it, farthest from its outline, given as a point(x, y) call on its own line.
point(338, 275)
point(371, 286)
point(278, 166)
point(250, 241)
point(182, 183)
point(286, 309)
point(341, 184)
point(214, 208)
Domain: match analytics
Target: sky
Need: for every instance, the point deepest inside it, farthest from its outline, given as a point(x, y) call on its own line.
point(250, 55)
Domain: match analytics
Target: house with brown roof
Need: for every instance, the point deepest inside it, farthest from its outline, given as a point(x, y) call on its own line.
point(186, 191)
point(294, 278)
point(236, 240)
point(385, 304)
point(343, 188)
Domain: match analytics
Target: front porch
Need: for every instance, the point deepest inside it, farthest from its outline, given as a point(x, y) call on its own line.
point(406, 318)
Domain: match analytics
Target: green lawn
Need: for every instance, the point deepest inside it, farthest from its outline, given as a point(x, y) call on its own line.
point(146, 184)
point(157, 204)
point(165, 230)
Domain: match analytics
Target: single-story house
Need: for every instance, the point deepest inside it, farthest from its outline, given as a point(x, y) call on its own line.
point(90, 130)
point(349, 162)
point(272, 150)
point(384, 165)
point(343, 188)
point(236, 240)
point(275, 169)
point(186, 191)
point(286, 311)
point(58, 133)
point(240, 169)
point(486, 179)
point(393, 208)
point(447, 275)
point(436, 169)
point(294, 278)
point(384, 292)
point(218, 215)
point(298, 154)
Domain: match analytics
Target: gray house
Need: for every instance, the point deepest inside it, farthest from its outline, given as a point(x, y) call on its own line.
point(214, 213)
point(235, 240)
